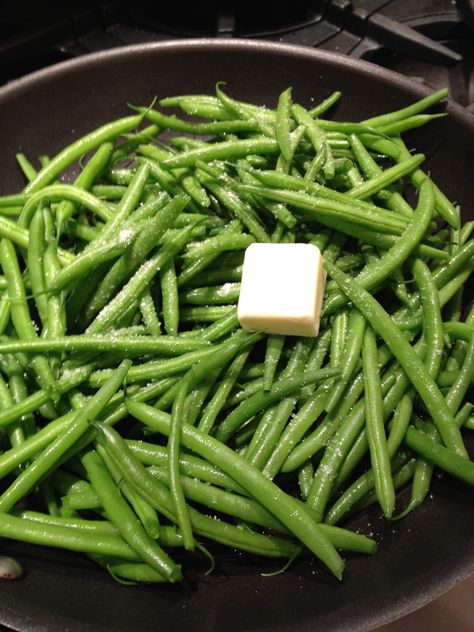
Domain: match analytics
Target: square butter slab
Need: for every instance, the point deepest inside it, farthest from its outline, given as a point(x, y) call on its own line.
point(282, 289)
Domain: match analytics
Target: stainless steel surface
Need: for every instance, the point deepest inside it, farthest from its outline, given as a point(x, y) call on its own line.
point(452, 612)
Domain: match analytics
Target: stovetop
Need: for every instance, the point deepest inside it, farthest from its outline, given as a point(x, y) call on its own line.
point(430, 40)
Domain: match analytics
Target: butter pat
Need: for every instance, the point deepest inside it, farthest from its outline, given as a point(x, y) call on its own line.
point(282, 289)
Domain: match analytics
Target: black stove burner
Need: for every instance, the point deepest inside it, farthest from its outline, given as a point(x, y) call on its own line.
point(430, 40)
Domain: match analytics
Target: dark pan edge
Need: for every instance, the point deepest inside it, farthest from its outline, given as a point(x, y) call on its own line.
point(59, 68)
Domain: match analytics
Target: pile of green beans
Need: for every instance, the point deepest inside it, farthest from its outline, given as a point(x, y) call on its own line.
point(137, 417)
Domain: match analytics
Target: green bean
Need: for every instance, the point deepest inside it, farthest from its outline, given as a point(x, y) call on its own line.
point(375, 272)
point(198, 265)
point(272, 356)
point(371, 169)
point(140, 249)
point(15, 433)
point(465, 232)
point(221, 186)
point(180, 125)
point(424, 469)
point(50, 455)
point(221, 326)
point(221, 356)
point(158, 496)
point(222, 151)
point(82, 499)
point(128, 236)
point(331, 213)
point(107, 132)
point(25, 165)
point(268, 432)
point(144, 512)
point(305, 477)
point(224, 294)
point(260, 400)
point(229, 503)
point(128, 203)
point(469, 423)
point(349, 357)
point(398, 426)
point(412, 122)
point(447, 378)
point(56, 314)
point(198, 105)
point(14, 200)
point(295, 430)
point(460, 386)
point(192, 466)
point(316, 136)
point(283, 507)
point(102, 527)
point(123, 518)
point(169, 298)
point(276, 418)
point(176, 489)
point(317, 439)
point(338, 338)
point(138, 282)
point(149, 315)
point(63, 537)
point(293, 183)
point(231, 274)
point(347, 432)
point(177, 178)
point(36, 248)
point(205, 314)
point(357, 491)
point(123, 345)
point(59, 192)
point(218, 244)
point(325, 105)
point(412, 365)
point(196, 398)
point(84, 180)
point(279, 211)
point(247, 111)
point(86, 260)
point(446, 459)
point(4, 312)
point(431, 316)
point(217, 401)
point(410, 110)
point(455, 265)
point(134, 140)
point(155, 369)
point(443, 206)
point(20, 314)
point(283, 124)
point(375, 427)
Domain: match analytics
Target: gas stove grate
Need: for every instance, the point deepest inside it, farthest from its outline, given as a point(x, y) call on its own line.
point(430, 40)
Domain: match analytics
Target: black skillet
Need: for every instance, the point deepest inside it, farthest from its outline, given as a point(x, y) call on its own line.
point(419, 557)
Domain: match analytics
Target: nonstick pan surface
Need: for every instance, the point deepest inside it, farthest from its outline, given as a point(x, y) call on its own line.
point(419, 557)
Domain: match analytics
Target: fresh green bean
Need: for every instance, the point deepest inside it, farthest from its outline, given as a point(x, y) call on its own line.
point(283, 507)
point(80, 147)
point(123, 518)
point(415, 369)
point(50, 456)
point(263, 399)
point(375, 427)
